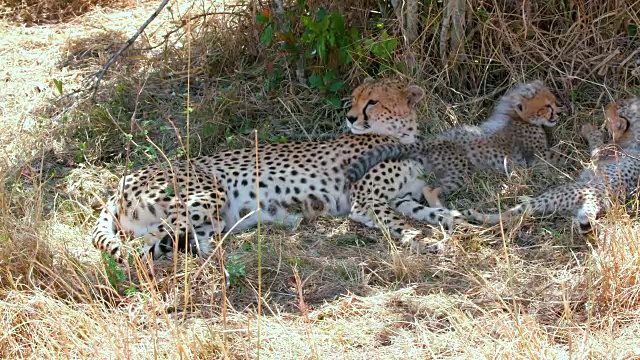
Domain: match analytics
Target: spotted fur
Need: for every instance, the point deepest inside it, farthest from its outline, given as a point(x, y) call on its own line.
point(185, 205)
point(513, 136)
point(614, 175)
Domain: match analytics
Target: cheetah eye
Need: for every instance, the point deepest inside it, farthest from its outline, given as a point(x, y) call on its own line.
point(372, 102)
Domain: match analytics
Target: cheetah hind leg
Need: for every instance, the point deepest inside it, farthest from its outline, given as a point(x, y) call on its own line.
point(198, 242)
point(585, 217)
point(432, 195)
point(583, 201)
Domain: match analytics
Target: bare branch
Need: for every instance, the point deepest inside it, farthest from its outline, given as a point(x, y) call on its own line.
point(124, 47)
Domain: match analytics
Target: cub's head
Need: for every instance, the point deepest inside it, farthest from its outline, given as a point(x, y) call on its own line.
point(623, 122)
point(532, 103)
point(385, 107)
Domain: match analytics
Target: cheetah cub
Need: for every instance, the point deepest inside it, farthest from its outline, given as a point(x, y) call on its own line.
point(512, 136)
point(613, 176)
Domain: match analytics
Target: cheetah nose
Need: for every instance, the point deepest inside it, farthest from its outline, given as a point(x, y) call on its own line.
point(351, 119)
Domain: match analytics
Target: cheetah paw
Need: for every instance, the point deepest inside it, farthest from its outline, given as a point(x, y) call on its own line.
point(472, 215)
point(586, 130)
point(421, 244)
point(456, 217)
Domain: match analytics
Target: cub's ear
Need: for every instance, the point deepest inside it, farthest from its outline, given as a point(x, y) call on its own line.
point(414, 94)
point(368, 80)
point(520, 106)
point(616, 125)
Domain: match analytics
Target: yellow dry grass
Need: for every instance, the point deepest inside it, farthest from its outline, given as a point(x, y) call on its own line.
point(330, 289)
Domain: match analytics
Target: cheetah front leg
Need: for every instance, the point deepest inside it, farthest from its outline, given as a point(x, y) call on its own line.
point(440, 216)
point(594, 137)
point(378, 212)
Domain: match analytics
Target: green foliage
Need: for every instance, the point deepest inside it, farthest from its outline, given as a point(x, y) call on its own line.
point(81, 152)
point(632, 29)
point(115, 275)
point(383, 47)
point(328, 85)
point(58, 85)
point(327, 47)
point(236, 269)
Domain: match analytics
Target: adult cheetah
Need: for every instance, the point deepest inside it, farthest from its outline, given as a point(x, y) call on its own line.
point(512, 136)
point(614, 175)
point(185, 204)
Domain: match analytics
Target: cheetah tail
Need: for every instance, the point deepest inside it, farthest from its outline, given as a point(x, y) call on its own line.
point(370, 158)
point(104, 235)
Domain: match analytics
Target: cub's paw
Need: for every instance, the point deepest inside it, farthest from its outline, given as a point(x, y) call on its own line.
point(420, 242)
point(586, 130)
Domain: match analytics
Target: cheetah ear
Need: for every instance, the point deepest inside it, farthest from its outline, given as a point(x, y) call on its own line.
point(368, 80)
point(415, 94)
point(519, 106)
point(615, 123)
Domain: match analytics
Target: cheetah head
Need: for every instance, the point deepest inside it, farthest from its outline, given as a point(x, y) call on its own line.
point(533, 103)
point(385, 107)
point(623, 120)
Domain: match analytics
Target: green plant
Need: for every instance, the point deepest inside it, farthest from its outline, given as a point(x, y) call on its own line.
point(321, 41)
point(115, 275)
point(236, 269)
point(328, 84)
point(58, 85)
point(81, 152)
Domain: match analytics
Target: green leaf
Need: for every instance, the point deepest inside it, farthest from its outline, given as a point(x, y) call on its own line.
point(334, 101)
point(321, 14)
point(267, 36)
point(58, 85)
point(329, 76)
point(336, 86)
point(321, 50)
point(130, 290)
point(261, 18)
point(331, 37)
point(390, 45)
point(633, 29)
point(306, 21)
point(316, 82)
point(337, 23)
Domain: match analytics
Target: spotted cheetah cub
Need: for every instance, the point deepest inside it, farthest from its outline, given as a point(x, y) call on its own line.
point(186, 204)
point(512, 136)
point(614, 174)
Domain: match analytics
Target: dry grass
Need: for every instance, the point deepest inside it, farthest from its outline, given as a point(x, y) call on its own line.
point(329, 289)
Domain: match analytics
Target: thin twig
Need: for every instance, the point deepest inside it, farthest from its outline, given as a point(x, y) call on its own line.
point(129, 42)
